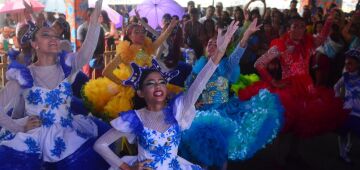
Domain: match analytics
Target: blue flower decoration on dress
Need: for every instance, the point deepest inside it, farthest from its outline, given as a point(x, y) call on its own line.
point(47, 118)
point(67, 89)
point(53, 99)
point(59, 147)
point(161, 153)
point(174, 164)
point(145, 140)
point(34, 97)
point(175, 139)
point(66, 122)
point(7, 135)
point(32, 145)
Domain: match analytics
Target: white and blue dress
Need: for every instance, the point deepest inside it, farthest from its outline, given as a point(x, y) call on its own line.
point(64, 140)
point(157, 134)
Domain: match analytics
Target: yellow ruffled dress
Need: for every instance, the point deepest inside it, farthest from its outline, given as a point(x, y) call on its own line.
point(106, 98)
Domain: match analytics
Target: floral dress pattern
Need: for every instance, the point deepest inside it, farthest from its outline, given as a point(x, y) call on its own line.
point(160, 147)
point(61, 132)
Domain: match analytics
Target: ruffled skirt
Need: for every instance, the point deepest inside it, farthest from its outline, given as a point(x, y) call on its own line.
point(235, 130)
point(309, 110)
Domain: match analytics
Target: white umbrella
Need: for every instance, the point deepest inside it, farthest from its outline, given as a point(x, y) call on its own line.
point(57, 6)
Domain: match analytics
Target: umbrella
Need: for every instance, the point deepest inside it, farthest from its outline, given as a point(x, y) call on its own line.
point(123, 2)
point(154, 10)
point(57, 6)
point(16, 6)
point(114, 16)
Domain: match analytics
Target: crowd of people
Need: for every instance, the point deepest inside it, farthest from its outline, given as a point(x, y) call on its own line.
point(210, 86)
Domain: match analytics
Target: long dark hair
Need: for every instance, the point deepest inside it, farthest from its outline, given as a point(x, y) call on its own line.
point(106, 18)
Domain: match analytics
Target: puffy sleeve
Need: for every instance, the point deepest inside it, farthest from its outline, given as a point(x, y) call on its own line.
point(184, 106)
point(128, 123)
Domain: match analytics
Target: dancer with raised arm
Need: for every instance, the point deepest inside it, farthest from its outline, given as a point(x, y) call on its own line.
point(157, 126)
point(50, 132)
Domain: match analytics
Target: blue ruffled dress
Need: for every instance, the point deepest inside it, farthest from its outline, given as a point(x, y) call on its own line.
point(63, 141)
point(225, 127)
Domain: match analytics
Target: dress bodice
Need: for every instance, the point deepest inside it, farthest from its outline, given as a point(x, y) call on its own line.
point(160, 147)
point(294, 56)
point(52, 106)
point(217, 88)
point(61, 132)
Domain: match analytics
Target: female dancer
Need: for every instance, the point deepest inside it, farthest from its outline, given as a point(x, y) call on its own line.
point(107, 95)
point(309, 110)
point(157, 126)
point(62, 140)
point(226, 127)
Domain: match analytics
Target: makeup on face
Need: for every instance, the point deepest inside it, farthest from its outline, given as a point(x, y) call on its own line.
point(154, 83)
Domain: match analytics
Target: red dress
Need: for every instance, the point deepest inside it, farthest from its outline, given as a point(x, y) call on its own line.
point(309, 110)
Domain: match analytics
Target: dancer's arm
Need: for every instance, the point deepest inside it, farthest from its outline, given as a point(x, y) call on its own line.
point(8, 98)
point(202, 78)
point(165, 34)
point(102, 147)
point(88, 47)
point(325, 31)
point(145, 25)
point(235, 57)
point(108, 70)
point(262, 62)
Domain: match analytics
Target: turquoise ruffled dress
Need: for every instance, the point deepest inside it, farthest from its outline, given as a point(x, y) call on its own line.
point(225, 127)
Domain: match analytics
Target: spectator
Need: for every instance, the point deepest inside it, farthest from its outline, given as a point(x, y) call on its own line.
point(225, 17)
point(293, 4)
point(100, 48)
point(210, 11)
point(190, 5)
point(192, 28)
point(110, 31)
point(239, 15)
point(218, 10)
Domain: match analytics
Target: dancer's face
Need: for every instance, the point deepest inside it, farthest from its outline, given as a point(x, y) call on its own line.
point(137, 35)
point(297, 30)
point(351, 65)
point(211, 47)
point(153, 88)
point(46, 41)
